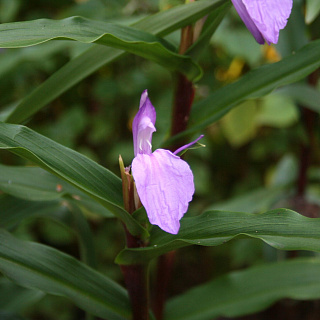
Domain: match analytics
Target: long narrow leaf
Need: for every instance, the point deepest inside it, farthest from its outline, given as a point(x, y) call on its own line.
point(85, 174)
point(244, 292)
point(282, 229)
point(255, 84)
point(94, 58)
point(29, 33)
point(40, 267)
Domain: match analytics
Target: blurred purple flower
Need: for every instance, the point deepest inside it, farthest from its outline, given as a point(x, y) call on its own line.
point(164, 182)
point(264, 18)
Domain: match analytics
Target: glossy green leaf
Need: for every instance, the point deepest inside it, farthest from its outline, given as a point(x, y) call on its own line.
point(34, 183)
point(282, 229)
point(40, 267)
point(94, 58)
point(85, 174)
point(255, 84)
point(30, 33)
point(244, 292)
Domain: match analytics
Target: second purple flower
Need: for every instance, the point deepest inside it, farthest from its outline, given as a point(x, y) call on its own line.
point(264, 18)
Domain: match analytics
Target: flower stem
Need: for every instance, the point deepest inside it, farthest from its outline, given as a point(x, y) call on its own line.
point(137, 282)
point(184, 90)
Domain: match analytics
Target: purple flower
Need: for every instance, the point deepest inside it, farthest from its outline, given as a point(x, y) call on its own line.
point(264, 18)
point(164, 182)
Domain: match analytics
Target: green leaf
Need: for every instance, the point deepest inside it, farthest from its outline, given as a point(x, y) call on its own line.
point(40, 267)
point(36, 184)
point(282, 229)
point(80, 171)
point(94, 58)
point(244, 292)
point(255, 84)
point(30, 33)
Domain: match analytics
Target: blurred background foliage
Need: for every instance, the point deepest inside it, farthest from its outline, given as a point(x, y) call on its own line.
point(250, 162)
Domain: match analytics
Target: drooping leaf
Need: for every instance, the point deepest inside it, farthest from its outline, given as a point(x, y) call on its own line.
point(281, 228)
point(80, 171)
point(30, 33)
point(244, 292)
point(40, 267)
point(94, 58)
point(255, 84)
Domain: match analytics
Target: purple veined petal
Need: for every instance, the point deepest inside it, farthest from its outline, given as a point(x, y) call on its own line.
point(165, 186)
point(188, 145)
point(244, 15)
point(269, 16)
point(143, 125)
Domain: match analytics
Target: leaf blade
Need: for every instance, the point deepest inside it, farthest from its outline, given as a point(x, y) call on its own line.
point(80, 171)
point(282, 228)
point(254, 84)
point(40, 267)
point(146, 45)
point(94, 58)
point(244, 292)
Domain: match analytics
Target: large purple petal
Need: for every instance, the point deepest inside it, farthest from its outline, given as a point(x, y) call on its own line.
point(165, 186)
point(269, 16)
point(244, 15)
point(144, 125)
